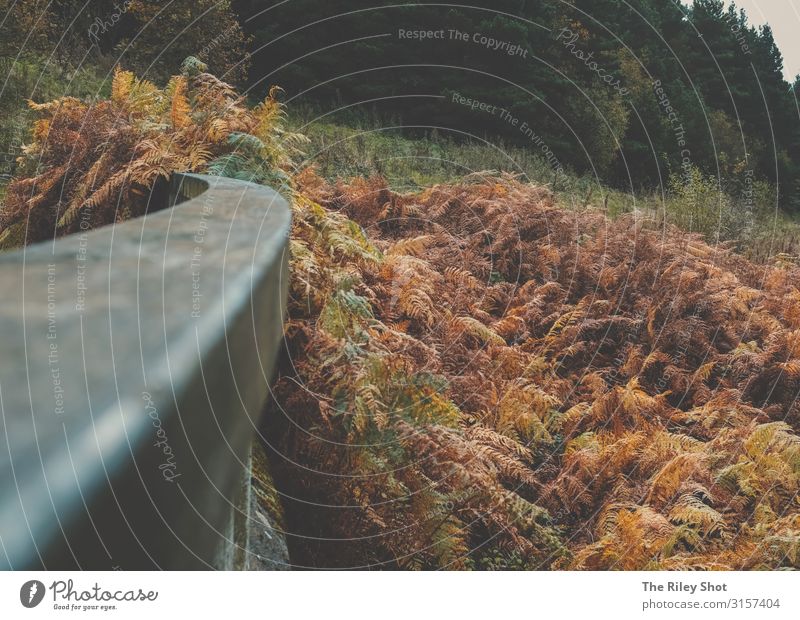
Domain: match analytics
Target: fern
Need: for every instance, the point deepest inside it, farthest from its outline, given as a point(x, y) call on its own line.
point(118, 149)
point(474, 377)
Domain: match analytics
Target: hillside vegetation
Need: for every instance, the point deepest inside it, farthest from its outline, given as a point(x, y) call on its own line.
point(476, 377)
point(632, 91)
point(91, 163)
point(350, 145)
point(482, 379)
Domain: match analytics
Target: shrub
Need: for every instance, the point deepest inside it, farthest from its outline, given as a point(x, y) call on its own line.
point(98, 162)
point(487, 380)
point(475, 377)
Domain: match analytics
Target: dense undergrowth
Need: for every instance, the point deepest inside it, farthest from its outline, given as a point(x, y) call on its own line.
point(96, 162)
point(484, 379)
point(741, 213)
point(474, 376)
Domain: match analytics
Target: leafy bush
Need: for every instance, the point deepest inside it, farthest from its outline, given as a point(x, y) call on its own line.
point(94, 163)
point(475, 377)
point(742, 210)
point(486, 380)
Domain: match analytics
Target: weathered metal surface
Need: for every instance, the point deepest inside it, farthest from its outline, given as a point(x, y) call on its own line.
point(134, 362)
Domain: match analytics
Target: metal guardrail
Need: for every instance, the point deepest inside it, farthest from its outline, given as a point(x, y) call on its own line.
point(134, 364)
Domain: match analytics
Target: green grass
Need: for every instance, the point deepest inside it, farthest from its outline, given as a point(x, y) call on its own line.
point(364, 146)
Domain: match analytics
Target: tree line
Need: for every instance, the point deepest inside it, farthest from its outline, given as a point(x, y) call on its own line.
point(633, 91)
